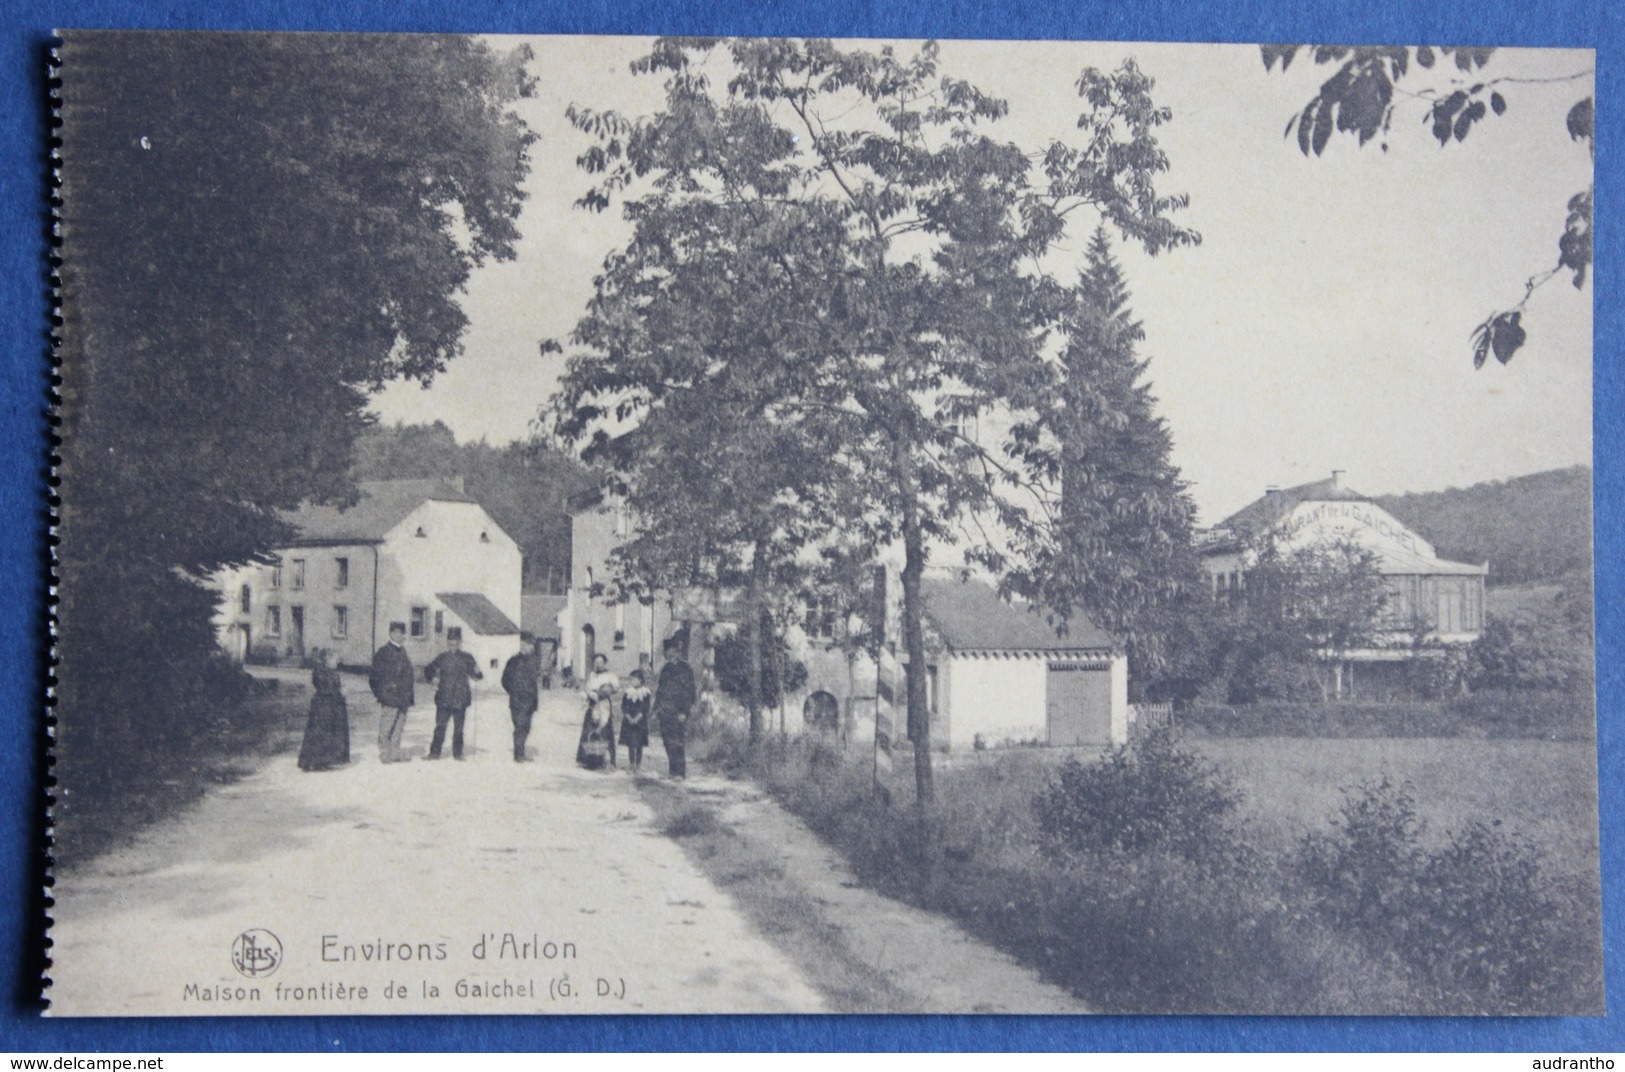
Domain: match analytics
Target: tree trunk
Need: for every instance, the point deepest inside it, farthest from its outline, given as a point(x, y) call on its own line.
point(919, 715)
point(753, 643)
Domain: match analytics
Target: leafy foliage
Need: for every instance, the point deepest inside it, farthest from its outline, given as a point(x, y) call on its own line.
point(1478, 919)
point(1523, 655)
point(1359, 99)
point(833, 260)
point(257, 230)
point(1149, 795)
point(1120, 548)
point(733, 661)
point(1302, 610)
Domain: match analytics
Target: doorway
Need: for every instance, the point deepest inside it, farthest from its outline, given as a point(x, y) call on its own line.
point(1078, 698)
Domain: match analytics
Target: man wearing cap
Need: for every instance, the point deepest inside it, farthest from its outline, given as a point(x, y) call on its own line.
point(674, 699)
point(391, 681)
point(519, 682)
point(452, 669)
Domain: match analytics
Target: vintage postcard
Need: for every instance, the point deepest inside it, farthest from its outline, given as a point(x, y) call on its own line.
point(632, 525)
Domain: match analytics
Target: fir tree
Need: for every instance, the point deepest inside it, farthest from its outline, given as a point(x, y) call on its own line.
point(1119, 549)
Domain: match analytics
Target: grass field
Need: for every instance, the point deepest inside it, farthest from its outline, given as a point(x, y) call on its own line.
point(1143, 932)
point(1544, 790)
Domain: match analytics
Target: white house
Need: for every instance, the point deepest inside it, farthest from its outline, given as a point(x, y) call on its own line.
point(1446, 598)
point(419, 552)
point(999, 673)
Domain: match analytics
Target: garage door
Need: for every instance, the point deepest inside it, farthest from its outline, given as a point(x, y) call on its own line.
point(1078, 696)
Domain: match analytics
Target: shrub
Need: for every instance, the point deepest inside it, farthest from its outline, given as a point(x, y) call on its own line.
point(1530, 655)
point(732, 665)
point(1478, 922)
point(1366, 870)
point(1148, 795)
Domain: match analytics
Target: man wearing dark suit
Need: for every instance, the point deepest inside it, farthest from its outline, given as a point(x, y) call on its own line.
point(391, 681)
point(519, 682)
point(674, 699)
point(452, 669)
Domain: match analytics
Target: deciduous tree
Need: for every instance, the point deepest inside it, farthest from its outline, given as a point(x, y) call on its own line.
point(1362, 98)
point(897, 246)
point(257, 230)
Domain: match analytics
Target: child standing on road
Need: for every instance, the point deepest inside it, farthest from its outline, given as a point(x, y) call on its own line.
point(635, 704)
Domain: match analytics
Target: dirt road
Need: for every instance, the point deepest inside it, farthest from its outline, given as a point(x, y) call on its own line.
point(483, 886)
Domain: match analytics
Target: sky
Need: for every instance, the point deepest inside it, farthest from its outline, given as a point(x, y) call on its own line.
point(1322, 324)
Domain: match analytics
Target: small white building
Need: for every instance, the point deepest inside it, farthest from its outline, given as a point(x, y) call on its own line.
point(1000, 674)
point(419, 552)
point(997, 673)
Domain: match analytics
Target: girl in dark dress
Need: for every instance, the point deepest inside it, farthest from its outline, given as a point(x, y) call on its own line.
point(327, 729)
point(635, 704)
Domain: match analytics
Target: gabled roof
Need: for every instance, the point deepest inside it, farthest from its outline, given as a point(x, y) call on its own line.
point(970, 616)
point(1262, 513)
point(539, 614)
point(478, 613)
point(382, 506)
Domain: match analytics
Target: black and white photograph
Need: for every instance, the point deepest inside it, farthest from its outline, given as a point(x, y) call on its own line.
point(631, 525)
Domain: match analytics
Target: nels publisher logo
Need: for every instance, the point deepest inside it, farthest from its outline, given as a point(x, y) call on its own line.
point(256, 953)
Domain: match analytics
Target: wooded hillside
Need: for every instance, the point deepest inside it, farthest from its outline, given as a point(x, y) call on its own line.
point(1530, 528)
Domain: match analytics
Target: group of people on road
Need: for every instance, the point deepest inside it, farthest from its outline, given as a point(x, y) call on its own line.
point(393, 678)
point(669, 706)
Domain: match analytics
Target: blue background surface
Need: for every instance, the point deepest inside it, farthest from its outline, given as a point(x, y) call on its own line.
point(24, 383)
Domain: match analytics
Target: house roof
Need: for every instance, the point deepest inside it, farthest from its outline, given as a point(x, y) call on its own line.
point(382, 506)
point(478, 613)
point(1261, 513)
point(970, 616)
point(539, 615)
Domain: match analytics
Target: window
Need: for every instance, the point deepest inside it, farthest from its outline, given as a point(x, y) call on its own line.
point(620, 639)
point(273, 621)
point(342, 579)
point(439, 622)
point(418, 627)
point(485, 537)
point(341, 622)
point(820, 621)
point(276, 574)
point(245, 599)
point(420, 533)
point(298, 580)
point(620, 626)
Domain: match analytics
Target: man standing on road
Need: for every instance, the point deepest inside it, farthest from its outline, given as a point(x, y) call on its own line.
point(391, 681)
point(452, 669)
point(519, 682)
point(674, 699)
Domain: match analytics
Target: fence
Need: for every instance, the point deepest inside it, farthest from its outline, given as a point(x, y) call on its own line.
point(1148, 718)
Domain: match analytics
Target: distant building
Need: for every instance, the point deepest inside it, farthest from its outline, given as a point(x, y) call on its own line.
point(1443, 597)
point(997, 673)
point(1000, 673)
point(628, 632)
point(420, 552)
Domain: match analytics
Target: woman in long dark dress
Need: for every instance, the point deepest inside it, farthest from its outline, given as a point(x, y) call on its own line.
point(597, 744)
point(327, 729)
point(635, 704)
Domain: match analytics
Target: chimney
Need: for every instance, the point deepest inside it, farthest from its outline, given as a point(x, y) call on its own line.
point(1337, 479)
point(457, 482)
point(1272, 491)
